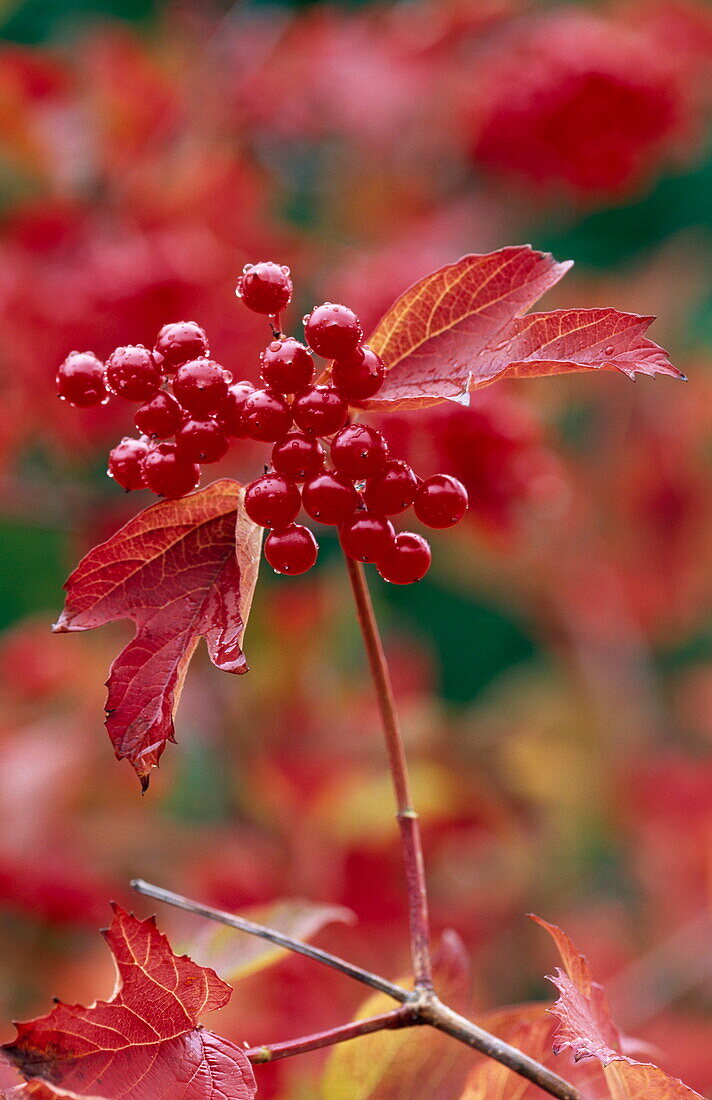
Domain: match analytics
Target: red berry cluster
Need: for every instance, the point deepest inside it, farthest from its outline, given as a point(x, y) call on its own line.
point(357, 492)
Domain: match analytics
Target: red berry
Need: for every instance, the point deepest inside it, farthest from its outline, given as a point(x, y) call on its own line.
point(291, 549)
point(359, 451)
point(80, 380)
point(406, 560)
point(126, 463)
point(333, 331)
point(393, 490)
point(287, 366)
point(360, 375)
point(232, 408)
point(180, 342)
point(160, 417)
point(272, 500)
point(202, 440)
point(266, 415)
point(168, 473)
point(330, 498)
point(441, 501)
point(133, 373)
point(298, 456)
point(265, 287)
point(366, 536)
point(201, 386)
point(320, 410)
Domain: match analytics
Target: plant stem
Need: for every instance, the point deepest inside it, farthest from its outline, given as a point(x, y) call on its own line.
point(406, 816)
point(272, 936)
point(439, 1016)
point(397, 1017)
point(419, 1007)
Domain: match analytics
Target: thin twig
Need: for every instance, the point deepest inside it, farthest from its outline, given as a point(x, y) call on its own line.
point(421, 1007)
point(438, 1015)
point(406, 815)
point(397, 1017)
point(278, 938)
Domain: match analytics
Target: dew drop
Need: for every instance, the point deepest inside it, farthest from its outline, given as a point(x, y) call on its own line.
point(305, 318)
point(285, 270)
point(246, 268)
point(238, 291)
point(609, 350)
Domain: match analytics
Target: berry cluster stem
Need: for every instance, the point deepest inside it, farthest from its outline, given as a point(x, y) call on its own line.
point(396, 1018)
point(406, 816)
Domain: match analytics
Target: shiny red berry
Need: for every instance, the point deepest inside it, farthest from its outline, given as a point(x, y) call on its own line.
point(180, 342)
point(266, 415)
point(298, 456)
point(406, 560)
point(168, 473)
point(272, 500)
point(392, 490)
point(359, 451)
point(202, 440)
point(265, 287)
point(320, 410)
point(330, 498)
point(366, 536)
point(201, 386)
point(333, 331)
point(231, 410)
point(160, 417)
point(441, 501)
point(126, 463)
point(292, 549)
point(133, 373)
point(287, 366)
point(80, 380)
point(360, 375)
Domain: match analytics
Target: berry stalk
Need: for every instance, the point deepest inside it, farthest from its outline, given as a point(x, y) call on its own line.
point(406, 815)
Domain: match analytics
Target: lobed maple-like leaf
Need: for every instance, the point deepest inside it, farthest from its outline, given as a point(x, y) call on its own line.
point(587, 1029)
point(181, 569)
point(143, 1044)
point(462, 327)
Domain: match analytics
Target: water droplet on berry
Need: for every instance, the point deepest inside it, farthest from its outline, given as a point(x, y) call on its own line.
point(275, 345)
point(305, 318)
point(238, 291)
point(285, 270)
point(246, 268)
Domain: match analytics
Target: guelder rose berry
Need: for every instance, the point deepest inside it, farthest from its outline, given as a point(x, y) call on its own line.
point(265, 287)
point(126, 463)
point(201, 386)
point(320, 410)
point(233, 406)
point(287, 366)
point(441, 501)
point(406, 560)
point(366, 537)
point(330, 498)
point(360, 375)
point(292, 549)
point(180, 342)
point(160, 417)
point(266, 415)
point(168, 473)
point(132, 373)
point(359, 451)
point(333, 331)
point(80, 380)
point(202, 440)
point(392, 490)
point(298, 456)
point(272, 500)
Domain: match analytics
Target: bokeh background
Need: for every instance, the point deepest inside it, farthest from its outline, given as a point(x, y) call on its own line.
point(552, 671)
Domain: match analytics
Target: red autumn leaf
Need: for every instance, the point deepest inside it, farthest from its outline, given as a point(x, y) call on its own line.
point(587, 1029)
point(181, 569)
point(145, 1043)
point(462, 327)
